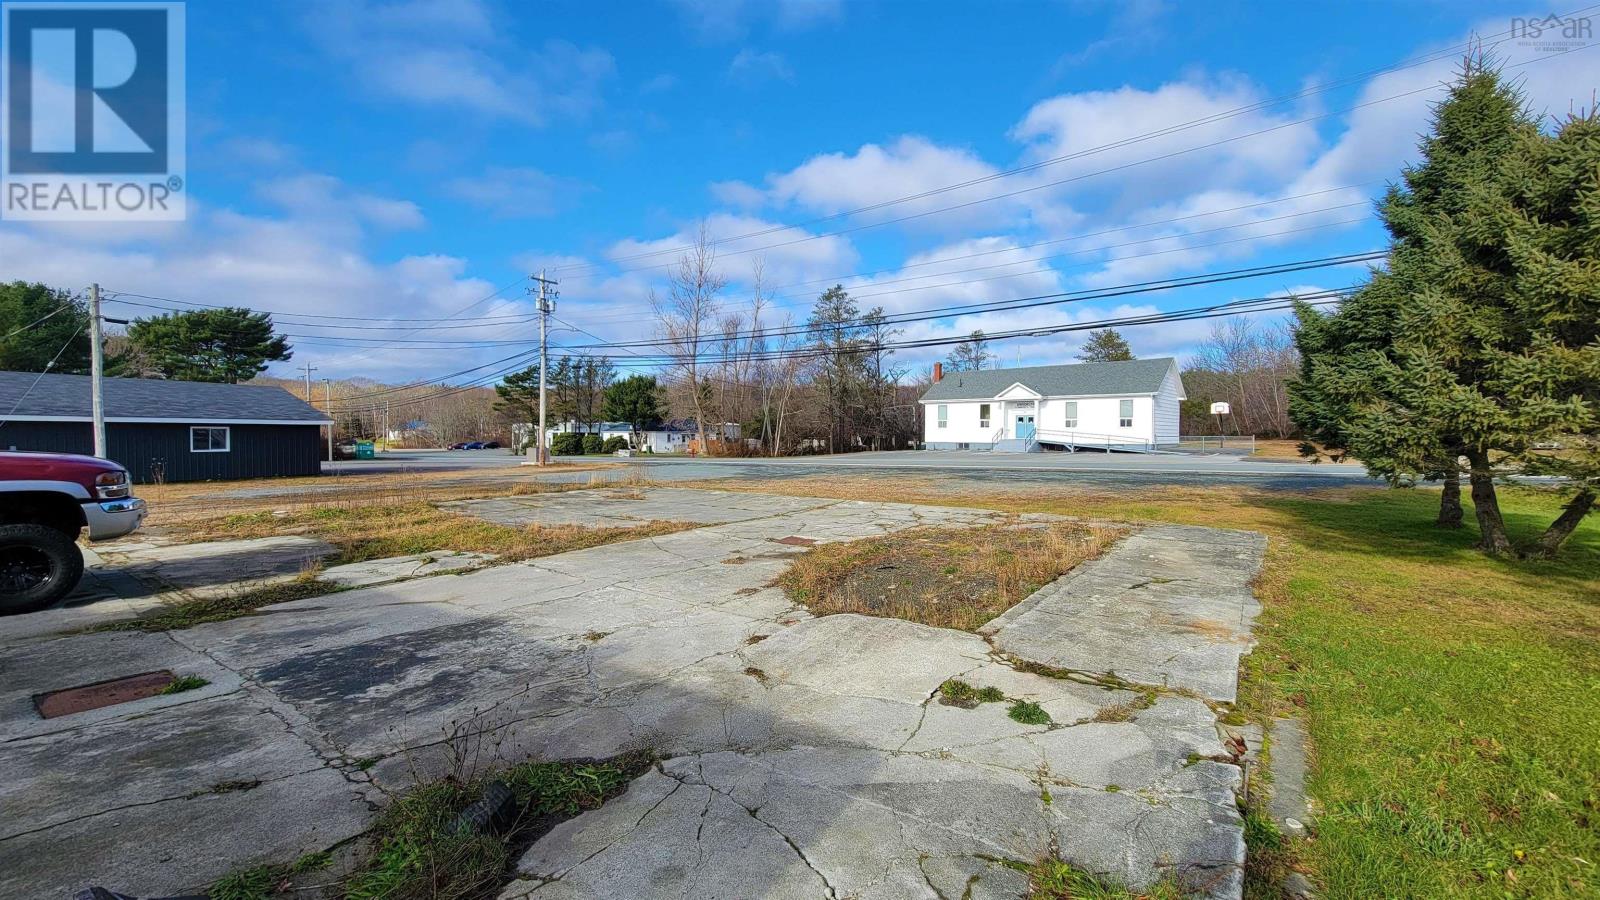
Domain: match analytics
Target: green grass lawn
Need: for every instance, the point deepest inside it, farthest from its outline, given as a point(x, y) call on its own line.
point(1452, 700)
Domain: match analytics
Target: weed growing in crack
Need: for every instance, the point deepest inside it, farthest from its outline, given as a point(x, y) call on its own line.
point(1270, 856)
point(1124, 712)
point(756, 673)
point(956, 692)
point(262, 882)
point(422, 850)
point(178, 616)
point(1028, 713)
point(184, 683)
point(1055, 879)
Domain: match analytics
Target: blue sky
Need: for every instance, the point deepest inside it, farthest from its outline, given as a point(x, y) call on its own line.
point(407, 159)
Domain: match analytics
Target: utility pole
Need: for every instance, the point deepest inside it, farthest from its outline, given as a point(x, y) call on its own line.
point(309, 369)
point(97, 372)
point(327, 407)
point(546, 307)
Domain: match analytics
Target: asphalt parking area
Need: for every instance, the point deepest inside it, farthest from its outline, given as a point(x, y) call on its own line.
point(801, 756)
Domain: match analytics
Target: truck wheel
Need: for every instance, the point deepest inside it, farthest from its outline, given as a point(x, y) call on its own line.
point(38, 566)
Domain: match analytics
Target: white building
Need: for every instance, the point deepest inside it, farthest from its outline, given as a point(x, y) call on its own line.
point(1129, 405)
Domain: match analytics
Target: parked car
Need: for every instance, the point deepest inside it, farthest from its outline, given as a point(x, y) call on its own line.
point(491, 445)
point(459, 445)
point(46, 500)
point(473, 445)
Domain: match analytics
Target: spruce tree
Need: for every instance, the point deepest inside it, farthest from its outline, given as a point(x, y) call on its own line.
point(1472, 132)
point(1105, 345)
point(1493, 299)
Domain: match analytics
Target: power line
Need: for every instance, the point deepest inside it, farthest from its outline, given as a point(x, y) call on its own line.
point(62, 308)
point(277, 319)
point(450, 318)
point(1078, 154)
point(1059, 296)
point(1248, 306)
point(1034, 261)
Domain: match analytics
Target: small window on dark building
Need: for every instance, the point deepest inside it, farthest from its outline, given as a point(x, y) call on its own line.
point(208, 440)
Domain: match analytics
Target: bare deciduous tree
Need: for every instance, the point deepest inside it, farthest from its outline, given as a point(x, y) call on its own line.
point(1249, 365)
point(687, 320)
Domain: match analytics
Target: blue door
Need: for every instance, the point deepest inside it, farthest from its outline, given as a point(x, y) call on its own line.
point(1024, 428)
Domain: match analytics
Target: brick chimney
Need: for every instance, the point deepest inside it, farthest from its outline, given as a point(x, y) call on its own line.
point(938, 372)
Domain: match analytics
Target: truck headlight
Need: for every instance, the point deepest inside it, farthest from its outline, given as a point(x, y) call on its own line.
point(111, 485)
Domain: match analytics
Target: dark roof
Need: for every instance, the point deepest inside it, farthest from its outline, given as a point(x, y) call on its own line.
point(67, 397)
point(1135, 376)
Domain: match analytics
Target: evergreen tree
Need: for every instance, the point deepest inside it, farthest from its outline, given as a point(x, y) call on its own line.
point(518, 395)
point(36, 324)
point(1480, 340)
point(635, 400)
point(1105, 345)
point(839, 338)
point(971, 354)
point(226, 345)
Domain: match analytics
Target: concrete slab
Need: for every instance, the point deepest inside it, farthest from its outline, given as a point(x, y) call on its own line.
point(804, 756)
point(624, 508)
point(1169, 606)
point(218, 568)
point(395, 568)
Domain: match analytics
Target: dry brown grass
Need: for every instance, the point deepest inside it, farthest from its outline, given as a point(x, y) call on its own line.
point(946, 577)
point(182, 504)
point(363, 531)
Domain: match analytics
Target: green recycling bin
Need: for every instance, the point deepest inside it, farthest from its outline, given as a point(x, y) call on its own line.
point(365, 450)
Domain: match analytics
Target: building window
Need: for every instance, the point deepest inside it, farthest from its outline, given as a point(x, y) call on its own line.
point(983, 415)
point(1072, 414)
point(944, 416)
point(1124, 413)
point(209, 440)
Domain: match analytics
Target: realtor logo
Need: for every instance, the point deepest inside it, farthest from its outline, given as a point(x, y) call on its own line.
point(93, 118)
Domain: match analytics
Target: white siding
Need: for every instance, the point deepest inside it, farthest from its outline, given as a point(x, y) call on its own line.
point(1099, 415)
point(1166, 409)
point(963, 427)
point(1096, 416)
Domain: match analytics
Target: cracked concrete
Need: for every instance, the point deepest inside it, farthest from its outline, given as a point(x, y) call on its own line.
point(832, 771)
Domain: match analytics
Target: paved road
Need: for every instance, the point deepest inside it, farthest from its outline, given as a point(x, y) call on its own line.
point(1079, 468)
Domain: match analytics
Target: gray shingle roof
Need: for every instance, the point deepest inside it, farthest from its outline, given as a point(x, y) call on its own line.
point(67, 396)
point(1135, 376)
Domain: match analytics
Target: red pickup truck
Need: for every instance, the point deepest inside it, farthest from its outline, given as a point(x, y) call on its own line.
point(46, 499)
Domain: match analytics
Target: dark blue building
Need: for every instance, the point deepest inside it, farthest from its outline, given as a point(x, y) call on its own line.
point(167, 430)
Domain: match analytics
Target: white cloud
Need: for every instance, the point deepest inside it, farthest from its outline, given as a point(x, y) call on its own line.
point(832, 183)
point(310, 260)
point(750, 68)
point(328, 204)
point(1151, 165)
point(515, 192)
point(738, 194)
point(792, 254)
point(458, 57)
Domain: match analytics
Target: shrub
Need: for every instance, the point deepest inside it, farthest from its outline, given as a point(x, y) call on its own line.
point(566, 444)
point(614, 443)
point(592, 443)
